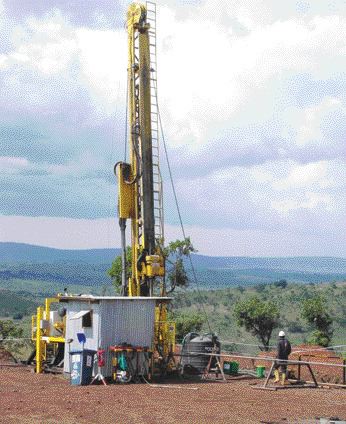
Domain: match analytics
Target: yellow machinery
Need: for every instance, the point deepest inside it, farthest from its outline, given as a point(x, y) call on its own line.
point(47, 330)
point(140, 195)
point(139, 182)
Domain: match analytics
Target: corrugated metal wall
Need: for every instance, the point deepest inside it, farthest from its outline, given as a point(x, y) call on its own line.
point(115, 321)
point(126, 321)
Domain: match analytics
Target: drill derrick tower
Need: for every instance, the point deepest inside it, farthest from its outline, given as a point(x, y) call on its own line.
point(139, 182)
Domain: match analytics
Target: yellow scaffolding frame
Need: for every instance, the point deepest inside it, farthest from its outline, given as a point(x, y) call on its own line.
point(40, 332)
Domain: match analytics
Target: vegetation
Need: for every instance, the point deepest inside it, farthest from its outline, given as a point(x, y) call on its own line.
point(174, 255)
point(15, 305)
point(186, 323)
point(315, 312)
point(8, 329)
point(220, 291)
point(220, 306)
point(115, 270)
point(258, 317)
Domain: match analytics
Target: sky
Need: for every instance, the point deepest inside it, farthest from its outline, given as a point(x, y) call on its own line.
point(252, 96)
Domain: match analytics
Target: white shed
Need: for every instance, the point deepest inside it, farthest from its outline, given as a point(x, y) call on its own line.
point(108, 321)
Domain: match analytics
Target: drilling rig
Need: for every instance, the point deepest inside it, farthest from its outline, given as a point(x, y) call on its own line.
point(140, 201)
point(139, 181)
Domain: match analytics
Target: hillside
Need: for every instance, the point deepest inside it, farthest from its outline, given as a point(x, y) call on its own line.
point(20, 252)
point(12, 304)
point(89, 267)
point(219, 307)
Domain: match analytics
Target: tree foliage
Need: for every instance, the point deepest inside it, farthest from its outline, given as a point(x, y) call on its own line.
point(173, 254)
point(257, 317)
point(186, 323)
point(9, 330)
point(115, 271)
point(281, 283)
point(315, 313)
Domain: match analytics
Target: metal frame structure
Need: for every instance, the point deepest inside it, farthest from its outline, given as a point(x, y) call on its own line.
point(139, 191)
point(139, 181)
point(41, 332)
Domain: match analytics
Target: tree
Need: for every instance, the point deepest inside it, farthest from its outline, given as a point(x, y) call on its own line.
point(186, 323)
point(281, 283)
point(315, 313)
point(173, 254)
point(9, 330)
point(115, 271)
point(259, 318)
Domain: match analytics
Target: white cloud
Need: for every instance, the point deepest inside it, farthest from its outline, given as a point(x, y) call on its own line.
point(12, 165)
point(268, 197)
point(252, 96)
point(311, 201)
point(214, 79)
point(305, 176)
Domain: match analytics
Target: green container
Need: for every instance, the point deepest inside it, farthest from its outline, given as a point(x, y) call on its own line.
point(230, 367)
point(234, 367)
point(260, 371)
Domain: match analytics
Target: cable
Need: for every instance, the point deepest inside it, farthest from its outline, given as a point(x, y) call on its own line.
point(178, 208)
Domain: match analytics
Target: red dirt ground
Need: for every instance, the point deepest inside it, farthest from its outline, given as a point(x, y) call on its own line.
point(26, 398)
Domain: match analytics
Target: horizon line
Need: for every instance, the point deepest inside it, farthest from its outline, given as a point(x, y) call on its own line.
point(198, 254)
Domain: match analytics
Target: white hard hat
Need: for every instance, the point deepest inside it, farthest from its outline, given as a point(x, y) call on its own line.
point(282, 334)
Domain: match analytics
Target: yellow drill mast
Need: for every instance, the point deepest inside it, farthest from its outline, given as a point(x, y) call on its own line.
point(137, 185)
point(139, 182)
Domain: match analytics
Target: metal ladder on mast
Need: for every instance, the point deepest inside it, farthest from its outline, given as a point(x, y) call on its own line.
point(157, 179)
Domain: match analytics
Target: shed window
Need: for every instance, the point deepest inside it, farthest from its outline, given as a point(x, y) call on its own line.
point(87, 320)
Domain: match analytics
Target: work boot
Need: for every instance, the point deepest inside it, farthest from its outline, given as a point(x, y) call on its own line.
point(283, 379)
point(277, 376)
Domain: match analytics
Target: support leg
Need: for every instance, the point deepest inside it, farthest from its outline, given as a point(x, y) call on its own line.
point(269, 375)
point(312, 375)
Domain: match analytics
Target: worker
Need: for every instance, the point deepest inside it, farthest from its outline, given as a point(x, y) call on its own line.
point(283, 351)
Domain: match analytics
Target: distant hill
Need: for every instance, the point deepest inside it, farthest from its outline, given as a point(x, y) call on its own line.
point(20, 252)
point(89, 267)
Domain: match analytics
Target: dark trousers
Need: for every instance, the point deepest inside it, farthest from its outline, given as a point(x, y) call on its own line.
point(282, 364)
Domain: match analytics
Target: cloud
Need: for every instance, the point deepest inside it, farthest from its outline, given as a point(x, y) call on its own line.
point(276, 196)
point(103, 13)
point(253, 106)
